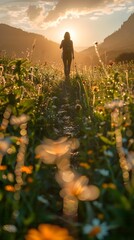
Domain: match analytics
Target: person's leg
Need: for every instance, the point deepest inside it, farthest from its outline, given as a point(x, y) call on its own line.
point(65, 66)
point(69, 65)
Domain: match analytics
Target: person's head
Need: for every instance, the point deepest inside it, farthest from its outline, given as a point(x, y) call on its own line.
point(67, 36)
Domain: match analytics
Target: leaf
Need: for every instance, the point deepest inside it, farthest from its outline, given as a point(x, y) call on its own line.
point(107, 141)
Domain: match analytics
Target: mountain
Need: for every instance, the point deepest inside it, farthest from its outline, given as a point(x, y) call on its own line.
point(121, 41)
point(17, 43)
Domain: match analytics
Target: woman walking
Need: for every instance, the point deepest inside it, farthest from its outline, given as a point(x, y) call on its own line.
point(67, 54)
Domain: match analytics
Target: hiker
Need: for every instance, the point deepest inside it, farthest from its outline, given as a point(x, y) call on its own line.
point(68, 53)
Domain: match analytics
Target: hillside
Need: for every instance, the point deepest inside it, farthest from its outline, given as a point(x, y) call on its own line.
point(118, 42)
point(16, 42)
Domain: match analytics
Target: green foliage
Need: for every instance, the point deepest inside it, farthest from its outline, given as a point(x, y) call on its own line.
point(73, 107)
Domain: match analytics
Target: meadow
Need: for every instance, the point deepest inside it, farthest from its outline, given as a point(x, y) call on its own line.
point(66, 152)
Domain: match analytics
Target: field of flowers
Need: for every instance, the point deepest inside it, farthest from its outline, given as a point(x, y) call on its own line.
point(66, 152)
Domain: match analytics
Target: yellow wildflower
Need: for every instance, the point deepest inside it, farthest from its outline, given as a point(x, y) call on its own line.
point(109, 185)
point(27, 169)
point(100, 216)
point(112, 185)
point(105, 185)
point(3, 167)
point(84, 165)
point(95, 231)
point(95, 88)
point(9, 188)
point(29, 180)
point(48, 232)
point(89, 152)
point(90, 160)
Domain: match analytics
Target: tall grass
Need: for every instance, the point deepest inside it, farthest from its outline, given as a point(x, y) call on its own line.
point(43, 174)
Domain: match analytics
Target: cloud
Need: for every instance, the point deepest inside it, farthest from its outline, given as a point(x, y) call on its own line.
point(33, 12)
point(94, 18)
point(44, 14)
point(131, 9)
point(77, 8)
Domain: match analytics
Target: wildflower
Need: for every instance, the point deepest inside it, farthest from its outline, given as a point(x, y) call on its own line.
point(109, 185)
point(96, 229)
point(23, 140)
point(112, 185)
point(105, 185)
point(29, 180)
point(79, 188)
point(4, 145)
point(84, 165)
point(48, 232)
point(103, 172)
point(130, 159)
point(43, 200)
point(95, 88)
point(96, 43)
point(63, 164)
point(108, 153)
point(50, 150)
point(90, 160)
point(9, 188)
point(19, 120)
point(114, 104)
point(78, 107)
point(10, 177)
point(100, 109)
point(100, 216)
point(3, 167)
point(111, 63)
point(1, 68)
point(90, 152)
point(65, 176)
point(10, 228)
point(27, 169)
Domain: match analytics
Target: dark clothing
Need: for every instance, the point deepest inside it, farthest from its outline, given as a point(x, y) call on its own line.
point(67, 55)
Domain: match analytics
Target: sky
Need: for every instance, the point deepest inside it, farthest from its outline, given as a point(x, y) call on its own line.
point(88, 21)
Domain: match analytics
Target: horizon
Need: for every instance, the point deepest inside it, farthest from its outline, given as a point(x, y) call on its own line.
point(86, 21)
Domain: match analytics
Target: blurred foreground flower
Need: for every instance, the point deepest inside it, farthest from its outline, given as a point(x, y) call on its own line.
point(10, 228)
point(3, 167)
point(4, 145)
point(79, 188)
point(50, 150)
point(48, 232)
point(130, 160)
point(103, 172)
point(96, 229)
point(75, 190)
point(109, 185)
point(27, 169)
point(114, 104)
point(19, 120)
point(65, 176)
point(9, 188)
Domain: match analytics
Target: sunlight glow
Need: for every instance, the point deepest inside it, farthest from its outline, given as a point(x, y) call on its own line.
point(72, 32)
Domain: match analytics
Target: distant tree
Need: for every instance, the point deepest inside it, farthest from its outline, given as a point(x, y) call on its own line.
point(125, 57)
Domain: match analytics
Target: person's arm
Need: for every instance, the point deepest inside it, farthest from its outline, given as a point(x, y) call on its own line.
point(72, 50)
point(61, 45)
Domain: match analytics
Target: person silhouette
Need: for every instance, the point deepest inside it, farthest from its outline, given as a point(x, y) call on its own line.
point(67, 53)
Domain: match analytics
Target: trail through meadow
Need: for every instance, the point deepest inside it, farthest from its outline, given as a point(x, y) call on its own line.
point(66, 152)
